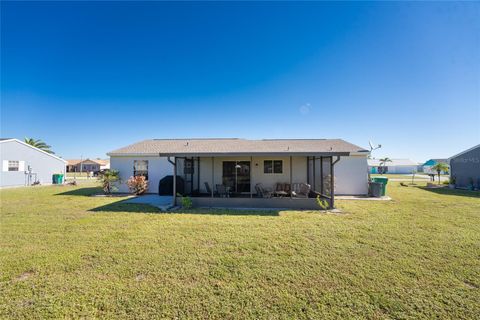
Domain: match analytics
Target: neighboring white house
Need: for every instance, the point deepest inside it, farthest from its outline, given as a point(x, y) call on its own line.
point(23, 164)
point(399, 166)
point(206, 167)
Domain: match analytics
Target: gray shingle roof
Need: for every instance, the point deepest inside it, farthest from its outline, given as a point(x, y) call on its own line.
point(185, 147)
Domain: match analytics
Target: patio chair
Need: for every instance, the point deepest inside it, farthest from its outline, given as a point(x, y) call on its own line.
point(222, 190)
point(280, 190)
point(287, 188)
point(207, 187)
point(301, 190)
point(262, 192)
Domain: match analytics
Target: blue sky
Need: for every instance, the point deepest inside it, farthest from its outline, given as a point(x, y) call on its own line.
point(91, 77)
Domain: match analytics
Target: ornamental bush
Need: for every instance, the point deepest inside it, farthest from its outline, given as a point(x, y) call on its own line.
point(137, 185)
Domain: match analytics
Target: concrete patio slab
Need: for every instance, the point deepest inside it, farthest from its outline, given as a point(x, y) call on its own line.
point(164, 203)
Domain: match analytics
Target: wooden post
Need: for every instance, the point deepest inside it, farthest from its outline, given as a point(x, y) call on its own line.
point(213, 177)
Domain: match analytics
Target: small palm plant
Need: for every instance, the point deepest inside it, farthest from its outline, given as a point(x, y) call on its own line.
point(383, 161)
point(108, 180)
point(439, 167)
point(38, 144)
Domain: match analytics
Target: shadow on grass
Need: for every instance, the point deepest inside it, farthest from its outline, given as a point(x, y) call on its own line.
point(230, 212)
point(122, 206)
point(86, 192)
point(453, 192)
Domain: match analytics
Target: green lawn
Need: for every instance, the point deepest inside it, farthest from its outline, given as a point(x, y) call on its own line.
point(401, 176)
point(408, 176)
point(66, 255)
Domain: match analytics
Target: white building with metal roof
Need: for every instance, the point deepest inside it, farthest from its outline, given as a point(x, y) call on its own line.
point(395, 166)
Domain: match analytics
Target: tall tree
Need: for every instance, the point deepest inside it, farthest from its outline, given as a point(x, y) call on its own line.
point(39, 144)
point(439, 167)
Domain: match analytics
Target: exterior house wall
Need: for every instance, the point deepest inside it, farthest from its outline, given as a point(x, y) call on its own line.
point(350, 172)
point(401, 169)
point(299, 170)
point(351, 176)
point(158, 167)
point(41, 164)
point(105, 166)
point(465, 167)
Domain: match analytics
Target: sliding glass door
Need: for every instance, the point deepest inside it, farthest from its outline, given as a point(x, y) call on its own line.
point(236, 176)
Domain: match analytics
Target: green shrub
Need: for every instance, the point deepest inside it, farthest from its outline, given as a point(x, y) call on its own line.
point(108, 179)
point(323, 204)
point(187, 202)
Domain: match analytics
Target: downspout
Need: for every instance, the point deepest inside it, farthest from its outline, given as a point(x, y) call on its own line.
point(174, 163)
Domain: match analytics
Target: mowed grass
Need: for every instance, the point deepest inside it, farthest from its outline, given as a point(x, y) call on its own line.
point(64, 254)
point(76, 174)
point(418, 176)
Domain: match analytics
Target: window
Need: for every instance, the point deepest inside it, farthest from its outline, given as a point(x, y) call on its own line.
point(188, 166)
point(273, 166)
point(140, 168)
point(13, 165)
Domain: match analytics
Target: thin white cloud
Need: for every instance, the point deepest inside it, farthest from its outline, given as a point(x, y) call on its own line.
point(305, 109)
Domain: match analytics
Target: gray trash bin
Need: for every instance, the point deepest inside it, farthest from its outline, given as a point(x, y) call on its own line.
point(375, 189)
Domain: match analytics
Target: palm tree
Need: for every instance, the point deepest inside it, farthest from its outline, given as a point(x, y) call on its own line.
point(108, 179)
point(383, 161)
point(39, 144)
point(439, 167)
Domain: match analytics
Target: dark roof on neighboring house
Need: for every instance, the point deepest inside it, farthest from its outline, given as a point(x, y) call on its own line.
point(234, 146)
